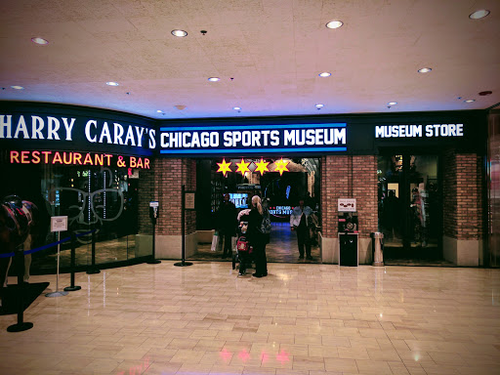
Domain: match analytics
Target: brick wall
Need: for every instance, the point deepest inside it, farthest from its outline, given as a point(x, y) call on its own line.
point(146, 195)
point(462, 196)
point(164, 184)
point(349, 177)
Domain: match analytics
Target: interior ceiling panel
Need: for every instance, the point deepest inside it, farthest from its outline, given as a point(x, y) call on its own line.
point(267, 53)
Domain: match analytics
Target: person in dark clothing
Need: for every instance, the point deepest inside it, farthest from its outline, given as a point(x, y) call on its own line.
point(227, 224)
point(299, 222)
point(258, 240)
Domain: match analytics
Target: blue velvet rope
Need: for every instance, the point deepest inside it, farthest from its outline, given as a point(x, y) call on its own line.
point(8, 255)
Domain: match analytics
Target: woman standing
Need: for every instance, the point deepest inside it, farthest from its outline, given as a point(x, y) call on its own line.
point(258, 240)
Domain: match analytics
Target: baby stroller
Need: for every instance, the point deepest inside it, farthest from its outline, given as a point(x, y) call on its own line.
point(243, 255)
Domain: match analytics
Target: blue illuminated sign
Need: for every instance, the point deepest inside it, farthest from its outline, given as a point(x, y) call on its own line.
point(296, 138)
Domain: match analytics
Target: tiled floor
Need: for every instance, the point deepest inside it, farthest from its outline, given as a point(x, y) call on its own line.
point(302, 319)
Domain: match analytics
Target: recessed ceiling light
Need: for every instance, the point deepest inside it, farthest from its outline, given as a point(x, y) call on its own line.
point(214, 79)
point(325, 74)
point(17, 87)
point(237, 108)
point(392, 103)
point(478, 14)
point(319, 105)
point(469, 100)
point(112, 83)
point(159, 111)
point(425, 70)
point(39, 40)
point(334, 24)
point(180, 33)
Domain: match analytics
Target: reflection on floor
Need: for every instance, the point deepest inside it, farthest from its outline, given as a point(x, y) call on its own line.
point(302, 319)
point(119, 249)
point(282, 248)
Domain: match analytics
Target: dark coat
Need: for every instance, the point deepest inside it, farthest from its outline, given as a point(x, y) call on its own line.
point(254, 235)
point(226, 218)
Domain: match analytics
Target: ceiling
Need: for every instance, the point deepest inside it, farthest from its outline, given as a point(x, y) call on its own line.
point(267, 53)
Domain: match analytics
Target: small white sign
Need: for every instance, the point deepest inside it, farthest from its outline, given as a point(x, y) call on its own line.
point(154, 204)
point(347, 205)
point(58, 223)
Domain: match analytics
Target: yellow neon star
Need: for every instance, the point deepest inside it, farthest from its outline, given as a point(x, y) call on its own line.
point(243, 167)
point(262, 167)
point(224, 167)
point(281, 166)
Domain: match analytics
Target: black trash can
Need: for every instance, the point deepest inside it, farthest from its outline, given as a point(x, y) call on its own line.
point(348, 249)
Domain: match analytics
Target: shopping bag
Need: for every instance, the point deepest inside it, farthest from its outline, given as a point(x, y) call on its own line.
point(215, 241)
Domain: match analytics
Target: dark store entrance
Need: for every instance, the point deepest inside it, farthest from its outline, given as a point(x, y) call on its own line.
point(410, 208)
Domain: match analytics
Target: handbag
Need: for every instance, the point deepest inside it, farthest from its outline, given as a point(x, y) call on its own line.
point(215, 241)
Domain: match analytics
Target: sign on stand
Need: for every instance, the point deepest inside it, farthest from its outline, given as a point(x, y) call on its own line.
point(58, 224)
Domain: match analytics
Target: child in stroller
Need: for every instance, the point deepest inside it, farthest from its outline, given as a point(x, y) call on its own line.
point(243, 254)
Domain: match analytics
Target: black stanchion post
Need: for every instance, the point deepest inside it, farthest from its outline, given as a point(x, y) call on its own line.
point(93, 268)
point(183, 262)
point(154, 209)
point(21, 325)
point(73, 287)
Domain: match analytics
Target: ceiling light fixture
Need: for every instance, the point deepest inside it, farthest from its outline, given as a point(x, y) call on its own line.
point(237, 108)
point(159, 111)
point(39, 40)
point(214, 79)
point(335, 24)
point(17, 87)
point(180, 33)
point(478, 14)
point(110, 83)
point(392, 103)
point(425, 70)
point(469, 100)
point(325, 74)
point(319, 105)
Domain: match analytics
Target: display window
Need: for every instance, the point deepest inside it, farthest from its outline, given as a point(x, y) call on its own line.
point(95, 198)
point(410, 206)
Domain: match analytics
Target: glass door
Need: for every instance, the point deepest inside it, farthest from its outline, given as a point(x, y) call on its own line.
point(410, 207)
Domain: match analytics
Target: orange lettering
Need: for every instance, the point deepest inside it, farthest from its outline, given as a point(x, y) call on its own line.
point(88, 159)
point(140, 164)
point(77, 158)
point(146, 163)
point(46, 154)
point(107, 156)
point(99, 159)
point(36, 157)
point(24, 157)
point(57, 158)
point(14, 156)
point(68, 160)
point(132, 162)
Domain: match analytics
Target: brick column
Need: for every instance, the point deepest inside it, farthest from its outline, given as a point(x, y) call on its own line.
point(463, 208)
point(348, 176)
point(165, 181)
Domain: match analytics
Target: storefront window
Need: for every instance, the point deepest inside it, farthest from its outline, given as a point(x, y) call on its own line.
point(94, 198)
point(410, 209)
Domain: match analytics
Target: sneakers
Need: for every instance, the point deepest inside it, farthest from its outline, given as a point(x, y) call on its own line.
point(309, 258)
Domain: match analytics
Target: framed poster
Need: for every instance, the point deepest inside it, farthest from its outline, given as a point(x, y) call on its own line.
point(189, 199)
